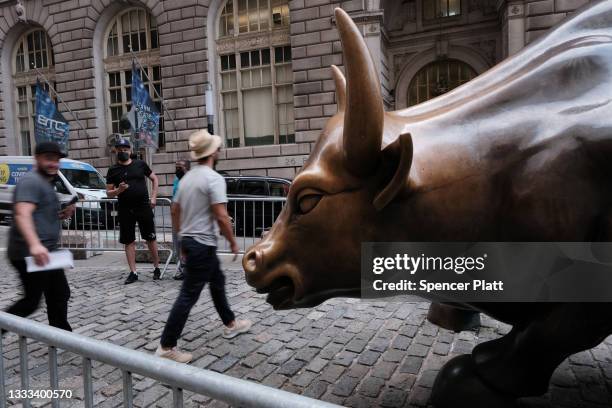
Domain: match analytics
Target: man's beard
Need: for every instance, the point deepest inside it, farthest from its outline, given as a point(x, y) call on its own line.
point(45, 173)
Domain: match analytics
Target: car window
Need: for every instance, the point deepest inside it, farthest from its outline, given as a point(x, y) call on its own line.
point(84, 179)
point(278, 189)
point(253, 187)
point(60, 187)
point(232, 186)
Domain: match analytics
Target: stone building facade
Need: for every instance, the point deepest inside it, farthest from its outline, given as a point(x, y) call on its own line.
point(265, 64)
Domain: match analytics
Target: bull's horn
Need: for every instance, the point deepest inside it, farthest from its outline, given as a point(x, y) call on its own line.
point(340, 88)
point(363, 118)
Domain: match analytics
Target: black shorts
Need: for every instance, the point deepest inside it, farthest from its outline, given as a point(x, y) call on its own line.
point(128, 217)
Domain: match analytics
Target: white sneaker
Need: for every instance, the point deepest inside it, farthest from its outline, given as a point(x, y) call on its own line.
point(174, 354)
point(240, 326)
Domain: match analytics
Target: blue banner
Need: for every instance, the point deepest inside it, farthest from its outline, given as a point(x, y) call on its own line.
point(50, 125)
point(147, 115)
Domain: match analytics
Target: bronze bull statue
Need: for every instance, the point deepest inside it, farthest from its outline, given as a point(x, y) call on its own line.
point(521, 153)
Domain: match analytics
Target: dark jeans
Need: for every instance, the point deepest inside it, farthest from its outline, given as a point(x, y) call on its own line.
point(201, 267)
point(53, 285)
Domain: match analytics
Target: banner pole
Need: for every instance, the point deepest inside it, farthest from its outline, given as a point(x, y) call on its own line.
point(62, 102)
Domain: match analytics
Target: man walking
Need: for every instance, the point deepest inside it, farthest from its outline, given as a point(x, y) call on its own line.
point(126, 180)
point(181, 168)
point(35, 232)
point(200, 204)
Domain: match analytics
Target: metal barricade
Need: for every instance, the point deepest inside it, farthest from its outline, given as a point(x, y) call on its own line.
point(94, 227)
point(178, 376)
point(251, 217)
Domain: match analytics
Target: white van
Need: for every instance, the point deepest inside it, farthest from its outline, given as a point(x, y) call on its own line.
point(75, 178)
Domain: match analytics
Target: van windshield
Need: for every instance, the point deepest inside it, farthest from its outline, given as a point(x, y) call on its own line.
point(84, 179)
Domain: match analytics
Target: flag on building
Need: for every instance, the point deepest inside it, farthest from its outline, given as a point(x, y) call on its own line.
point(49, 124)
point(146, 129)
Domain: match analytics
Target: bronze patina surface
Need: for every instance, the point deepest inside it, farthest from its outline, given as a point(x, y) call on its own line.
point(521, 153)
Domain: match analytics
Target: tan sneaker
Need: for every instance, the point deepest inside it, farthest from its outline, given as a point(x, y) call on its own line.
point(174, 354)
point(240, 326)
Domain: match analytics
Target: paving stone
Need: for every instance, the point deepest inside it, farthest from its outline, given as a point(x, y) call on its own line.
point(393, 398)
point(345, 358)
point(223, 364)
point(401, 342)
point(304, 378)
point(316, 389)
point(270, 347)
point(291, 367)
point(253, 360)
point(384, 370)
point(417, 350)
point(369, 357)
point(317, 364)
point(281, 356)
point(261, 371)
point(393, 356)
point(307, 353)
point(371, 386)
point(345, 386)
point(332, 372)
point(411, 365)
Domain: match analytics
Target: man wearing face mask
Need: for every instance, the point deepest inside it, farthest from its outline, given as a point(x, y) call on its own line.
point(126, 180)
point(182, 167)
point(35, 232)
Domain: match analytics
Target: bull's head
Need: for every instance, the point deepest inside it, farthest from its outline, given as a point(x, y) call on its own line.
point(337, 201)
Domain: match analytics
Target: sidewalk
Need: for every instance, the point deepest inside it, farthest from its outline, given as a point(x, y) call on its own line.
point(350, 352)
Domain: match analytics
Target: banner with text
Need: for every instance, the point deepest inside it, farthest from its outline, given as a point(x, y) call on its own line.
point(50, 124)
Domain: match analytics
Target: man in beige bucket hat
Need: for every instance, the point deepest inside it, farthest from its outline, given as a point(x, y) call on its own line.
point(201, 205)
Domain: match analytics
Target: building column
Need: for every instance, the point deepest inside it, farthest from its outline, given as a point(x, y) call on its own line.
point(515, 12)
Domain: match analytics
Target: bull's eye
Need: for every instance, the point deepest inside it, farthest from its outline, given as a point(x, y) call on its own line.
point(308, 200)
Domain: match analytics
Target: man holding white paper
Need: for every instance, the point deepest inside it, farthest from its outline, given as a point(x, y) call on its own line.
point(35, 232)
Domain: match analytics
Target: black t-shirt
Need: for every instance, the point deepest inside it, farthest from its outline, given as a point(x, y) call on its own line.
point(134, 175)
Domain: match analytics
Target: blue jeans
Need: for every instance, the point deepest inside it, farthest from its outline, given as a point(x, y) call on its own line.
point(201, 267)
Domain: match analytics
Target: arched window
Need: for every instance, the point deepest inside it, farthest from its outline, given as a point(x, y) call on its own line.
point(438, 78)
point(131, 34)
point(256, 78)
point(33, 56)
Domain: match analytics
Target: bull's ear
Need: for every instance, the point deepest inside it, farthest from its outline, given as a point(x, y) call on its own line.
point(397, 159)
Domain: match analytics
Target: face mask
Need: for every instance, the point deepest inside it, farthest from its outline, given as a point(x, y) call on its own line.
point(123, 156)
point(179, 173)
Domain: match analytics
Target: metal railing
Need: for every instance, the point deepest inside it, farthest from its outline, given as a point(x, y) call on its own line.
point(180, 377)
point(94, 227)
point(251, 218)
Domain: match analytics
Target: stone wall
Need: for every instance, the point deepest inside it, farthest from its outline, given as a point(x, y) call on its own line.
point(543, 14)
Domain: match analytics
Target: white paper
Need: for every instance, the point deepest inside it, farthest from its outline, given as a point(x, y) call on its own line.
point(57, 260)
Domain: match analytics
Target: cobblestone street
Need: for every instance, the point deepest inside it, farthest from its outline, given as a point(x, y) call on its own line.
point(350, 352)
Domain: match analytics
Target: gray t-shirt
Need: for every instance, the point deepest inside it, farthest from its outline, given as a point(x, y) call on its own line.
point(34, 188)
point(200, 188)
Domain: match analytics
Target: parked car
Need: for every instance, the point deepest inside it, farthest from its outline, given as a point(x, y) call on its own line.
point(251, 217)
point(75, 178)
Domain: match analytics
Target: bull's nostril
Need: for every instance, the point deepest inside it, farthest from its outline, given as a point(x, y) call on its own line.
point(251, 261)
